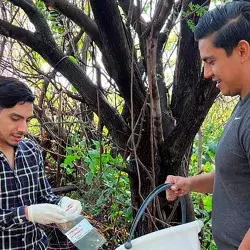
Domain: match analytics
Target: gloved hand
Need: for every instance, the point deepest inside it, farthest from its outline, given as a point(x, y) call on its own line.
point(46, 214)
point(70, 206)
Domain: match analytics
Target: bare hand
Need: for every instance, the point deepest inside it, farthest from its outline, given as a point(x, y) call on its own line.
point(182, 186)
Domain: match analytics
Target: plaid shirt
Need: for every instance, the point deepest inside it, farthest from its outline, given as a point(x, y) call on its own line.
point(23, 186)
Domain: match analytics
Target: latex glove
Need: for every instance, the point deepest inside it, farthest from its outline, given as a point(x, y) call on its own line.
point(46, 214)
point(70, 206)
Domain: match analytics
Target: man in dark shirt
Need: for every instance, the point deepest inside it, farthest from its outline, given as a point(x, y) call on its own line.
point(223, 35)
point(26, 198)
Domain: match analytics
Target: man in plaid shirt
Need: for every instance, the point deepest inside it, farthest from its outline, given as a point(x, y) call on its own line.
point(26, 199)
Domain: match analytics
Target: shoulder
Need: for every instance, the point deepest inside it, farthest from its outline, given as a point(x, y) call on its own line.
point(244, 131)
point(28, 145)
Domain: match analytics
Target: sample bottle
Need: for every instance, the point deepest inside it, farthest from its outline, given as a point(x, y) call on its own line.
point(81, 233)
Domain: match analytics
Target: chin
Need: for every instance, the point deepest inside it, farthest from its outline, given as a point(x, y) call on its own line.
point(13, 144)
point(227, 93)
point(232, 94)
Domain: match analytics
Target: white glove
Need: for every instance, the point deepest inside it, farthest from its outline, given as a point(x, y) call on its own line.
point(46, 214)
point(70, 206)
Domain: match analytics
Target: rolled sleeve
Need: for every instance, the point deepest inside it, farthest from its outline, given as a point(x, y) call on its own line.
point(20, 215)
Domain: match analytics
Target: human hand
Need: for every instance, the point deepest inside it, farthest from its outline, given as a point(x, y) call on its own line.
point(181, 186)
point(70, 205)
point(45, 214)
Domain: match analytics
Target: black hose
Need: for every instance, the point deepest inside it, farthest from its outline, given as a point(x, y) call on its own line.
point(150, 197)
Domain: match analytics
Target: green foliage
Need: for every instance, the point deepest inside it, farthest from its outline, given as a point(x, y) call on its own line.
point(146, 8)
point(194, 9)
point(34, 127)
point(115, 183)
point(116, 101)
point(42, 8)
point(56, 22)
point(172, 40)
point(106, 188)
point(40, 5)
point(53, 17)
point(73, 59)
point(197, 9)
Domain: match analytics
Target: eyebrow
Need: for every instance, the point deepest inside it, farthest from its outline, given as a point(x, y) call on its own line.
point(206, 58)
point(15, 114)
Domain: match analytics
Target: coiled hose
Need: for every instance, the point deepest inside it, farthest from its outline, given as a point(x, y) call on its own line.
point(150, 197)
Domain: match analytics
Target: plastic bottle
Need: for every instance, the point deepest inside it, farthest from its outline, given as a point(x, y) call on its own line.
point(81, 233)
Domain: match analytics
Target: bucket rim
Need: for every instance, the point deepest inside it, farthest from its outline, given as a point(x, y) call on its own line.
point(196, 225)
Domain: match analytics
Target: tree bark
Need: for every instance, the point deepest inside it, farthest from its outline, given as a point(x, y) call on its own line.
point(189, 104)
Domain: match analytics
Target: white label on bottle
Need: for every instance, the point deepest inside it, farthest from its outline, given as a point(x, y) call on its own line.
point(79, 231)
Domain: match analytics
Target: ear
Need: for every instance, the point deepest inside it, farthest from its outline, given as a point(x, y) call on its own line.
point(243, 50)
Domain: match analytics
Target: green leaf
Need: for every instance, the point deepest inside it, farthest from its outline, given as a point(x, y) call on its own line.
point(69, 171)
point(208, 203)
point(73, 89)
point(69, 159)
point(88, 178)
point(73, 59)
point(208, 167)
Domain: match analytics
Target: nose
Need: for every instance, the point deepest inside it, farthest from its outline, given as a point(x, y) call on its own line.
point(208, 73)
point(23, 127)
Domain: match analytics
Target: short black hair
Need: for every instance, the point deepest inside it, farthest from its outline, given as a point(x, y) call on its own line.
point(228, 23)
point(13, 91)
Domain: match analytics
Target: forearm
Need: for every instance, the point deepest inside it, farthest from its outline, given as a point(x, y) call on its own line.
point(245, 244)
point(202, 183)
point(47, 196)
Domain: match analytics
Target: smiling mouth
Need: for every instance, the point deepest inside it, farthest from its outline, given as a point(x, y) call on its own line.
point(17, 138)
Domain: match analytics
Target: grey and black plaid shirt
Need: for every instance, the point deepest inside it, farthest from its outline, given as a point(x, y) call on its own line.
point(23, 186)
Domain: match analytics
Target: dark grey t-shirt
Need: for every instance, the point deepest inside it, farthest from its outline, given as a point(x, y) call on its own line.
point(231, 198)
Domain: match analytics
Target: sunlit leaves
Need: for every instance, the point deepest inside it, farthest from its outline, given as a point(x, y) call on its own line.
point(194, 9)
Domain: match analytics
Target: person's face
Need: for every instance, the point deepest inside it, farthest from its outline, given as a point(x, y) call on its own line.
point(223, 69)
point(14, 123)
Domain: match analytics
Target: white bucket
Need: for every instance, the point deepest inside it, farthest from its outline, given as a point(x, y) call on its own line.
point(182, 237)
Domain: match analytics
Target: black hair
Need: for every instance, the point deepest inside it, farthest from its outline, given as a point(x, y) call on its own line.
point(228, 24)
point(13, 91)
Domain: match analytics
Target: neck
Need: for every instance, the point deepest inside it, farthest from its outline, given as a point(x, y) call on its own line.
point(244, 92)
point(6, 149)
point(245, 81)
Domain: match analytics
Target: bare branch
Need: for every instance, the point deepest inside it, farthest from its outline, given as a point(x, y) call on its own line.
point(130, 12)
point(17, 33)
point(45, 87)
point(74, 96)
point(49, 125)
point(45, 45)
point(77, 16)
point(34, 15)
point(119, 52)
point(161, 14)
point(64, 190)
point(163, 36)
point(134, 15)
point(73, 44)
point(139, 24)
point(156, 115)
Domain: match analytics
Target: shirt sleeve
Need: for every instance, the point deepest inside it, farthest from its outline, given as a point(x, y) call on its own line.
point(11, 217)
point(45, 194)
point(245, 138)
